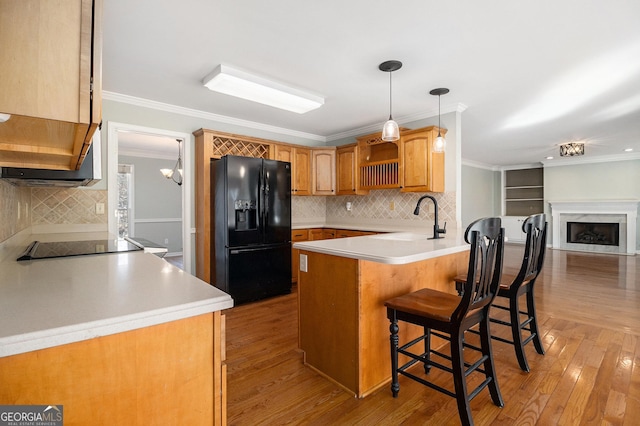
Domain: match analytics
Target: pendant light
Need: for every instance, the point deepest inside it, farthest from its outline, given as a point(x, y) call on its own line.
point(440, 143)
point(390, 130)
point(171, 173)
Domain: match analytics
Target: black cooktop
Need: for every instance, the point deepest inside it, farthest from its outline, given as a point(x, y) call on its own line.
point(41, 250)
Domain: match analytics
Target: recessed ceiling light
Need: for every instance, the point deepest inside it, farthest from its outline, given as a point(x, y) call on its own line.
point(628, 149)
point(242, 84)
point(550, 157)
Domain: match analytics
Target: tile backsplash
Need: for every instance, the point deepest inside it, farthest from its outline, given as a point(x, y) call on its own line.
point(379, 205)
point(21, 207)
point(15, 204)
point(55, 206)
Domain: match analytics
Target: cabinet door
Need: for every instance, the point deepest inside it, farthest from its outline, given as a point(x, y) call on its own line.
point(50, 81)
point(422, 170)
point(346, 170)
point(324, 171)
point(301, 176)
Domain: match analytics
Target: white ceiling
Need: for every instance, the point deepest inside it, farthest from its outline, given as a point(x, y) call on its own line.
point(532, 75)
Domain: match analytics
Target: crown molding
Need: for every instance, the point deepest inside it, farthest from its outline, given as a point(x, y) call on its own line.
point(458, 107)
point(574, 161)
point(160, 106)
point(479, 165)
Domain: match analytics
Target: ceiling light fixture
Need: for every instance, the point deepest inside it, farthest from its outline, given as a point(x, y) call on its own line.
point(440, 143)
point(390, 130)
point(572, 148)
point(242, 84)
point(628, 149)
point(171, 173)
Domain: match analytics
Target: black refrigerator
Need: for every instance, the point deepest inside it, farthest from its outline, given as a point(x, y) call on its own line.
point(251, 217)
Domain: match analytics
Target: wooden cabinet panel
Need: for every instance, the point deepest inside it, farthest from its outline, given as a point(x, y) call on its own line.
point(297, 235)
point(316, 234)
point(422, 170)
point(301, 183)
point(347, 171)
point(324, 171)
point(328, 233)
point(300, 159)
point(50, 81)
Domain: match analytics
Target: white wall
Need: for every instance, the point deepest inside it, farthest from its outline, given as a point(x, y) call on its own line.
point(480, 193)
point(157, 202)
point(615, 180)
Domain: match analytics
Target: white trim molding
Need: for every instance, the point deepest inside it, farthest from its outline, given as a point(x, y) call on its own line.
point(607, 210)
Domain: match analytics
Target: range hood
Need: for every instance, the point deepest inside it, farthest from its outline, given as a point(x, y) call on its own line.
point(89, 173)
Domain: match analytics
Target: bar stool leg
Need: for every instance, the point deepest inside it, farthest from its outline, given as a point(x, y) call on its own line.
point(531, 311)
point(489, 366)
point(459, 380)
point(393, 329)
point(516, 332)
point(427, 350)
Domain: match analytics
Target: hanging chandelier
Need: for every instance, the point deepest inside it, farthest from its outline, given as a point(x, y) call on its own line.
point(440, 143)
point(175, 174)
point(390, 130)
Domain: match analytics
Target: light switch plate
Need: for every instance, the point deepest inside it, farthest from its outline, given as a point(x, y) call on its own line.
point(303, 263)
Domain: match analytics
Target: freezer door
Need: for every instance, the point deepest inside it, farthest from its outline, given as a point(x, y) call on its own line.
point(242, 193)
point(276, 201)
point(257, 273)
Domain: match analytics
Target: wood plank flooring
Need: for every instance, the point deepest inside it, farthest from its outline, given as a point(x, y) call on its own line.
point(589, 315)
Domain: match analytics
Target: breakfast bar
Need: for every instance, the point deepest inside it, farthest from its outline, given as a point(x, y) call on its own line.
point(342, 286)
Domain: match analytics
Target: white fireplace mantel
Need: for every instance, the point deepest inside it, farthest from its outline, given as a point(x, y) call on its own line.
point(627, 208)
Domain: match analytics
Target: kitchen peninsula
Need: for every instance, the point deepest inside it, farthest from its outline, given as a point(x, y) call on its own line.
point(119, 338)
point(342, 286)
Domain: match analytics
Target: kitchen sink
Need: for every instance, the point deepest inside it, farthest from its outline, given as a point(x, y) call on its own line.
point(400, 236)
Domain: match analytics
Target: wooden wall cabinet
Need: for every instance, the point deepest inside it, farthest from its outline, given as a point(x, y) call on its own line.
point(300, 159)
point(407, 164)
point(347, 171)
point(379, 163)
point(50, 81)
point(323, 171)
point(422, 170)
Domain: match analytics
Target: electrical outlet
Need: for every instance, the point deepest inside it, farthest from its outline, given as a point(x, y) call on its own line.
point(392, 205)
point(166, 241)
point(303, 263)
point(99, 208)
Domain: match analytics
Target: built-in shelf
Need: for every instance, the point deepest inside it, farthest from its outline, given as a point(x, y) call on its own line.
point(524, 192)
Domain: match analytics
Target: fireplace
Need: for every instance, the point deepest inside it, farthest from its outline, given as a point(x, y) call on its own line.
point(598, 226)
point(606, 234)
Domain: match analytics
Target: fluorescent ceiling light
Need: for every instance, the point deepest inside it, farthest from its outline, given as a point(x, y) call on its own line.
point(241, 84)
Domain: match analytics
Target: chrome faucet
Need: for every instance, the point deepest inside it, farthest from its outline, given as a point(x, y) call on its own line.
point(436, 229)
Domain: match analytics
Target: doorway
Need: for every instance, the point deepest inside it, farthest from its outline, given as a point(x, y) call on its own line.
point(158, 143)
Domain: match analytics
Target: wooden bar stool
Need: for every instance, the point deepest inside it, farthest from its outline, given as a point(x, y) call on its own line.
point(514, 286)
point(448, 316)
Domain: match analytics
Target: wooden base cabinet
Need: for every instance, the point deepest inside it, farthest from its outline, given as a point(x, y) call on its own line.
point(343, 325)
point(172, 373)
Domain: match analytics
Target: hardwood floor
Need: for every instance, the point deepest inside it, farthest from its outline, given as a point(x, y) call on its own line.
point(589, 314)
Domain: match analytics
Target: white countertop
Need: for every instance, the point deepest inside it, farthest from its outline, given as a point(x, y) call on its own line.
point(392, 248)
point(50, 302)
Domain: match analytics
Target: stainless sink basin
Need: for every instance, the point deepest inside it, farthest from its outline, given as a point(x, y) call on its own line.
point(400, 236)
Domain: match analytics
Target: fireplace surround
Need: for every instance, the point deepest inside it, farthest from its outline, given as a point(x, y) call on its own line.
point(609, 225)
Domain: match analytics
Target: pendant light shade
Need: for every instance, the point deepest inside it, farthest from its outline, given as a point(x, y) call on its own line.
point(390, 130)
point(440, 144)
